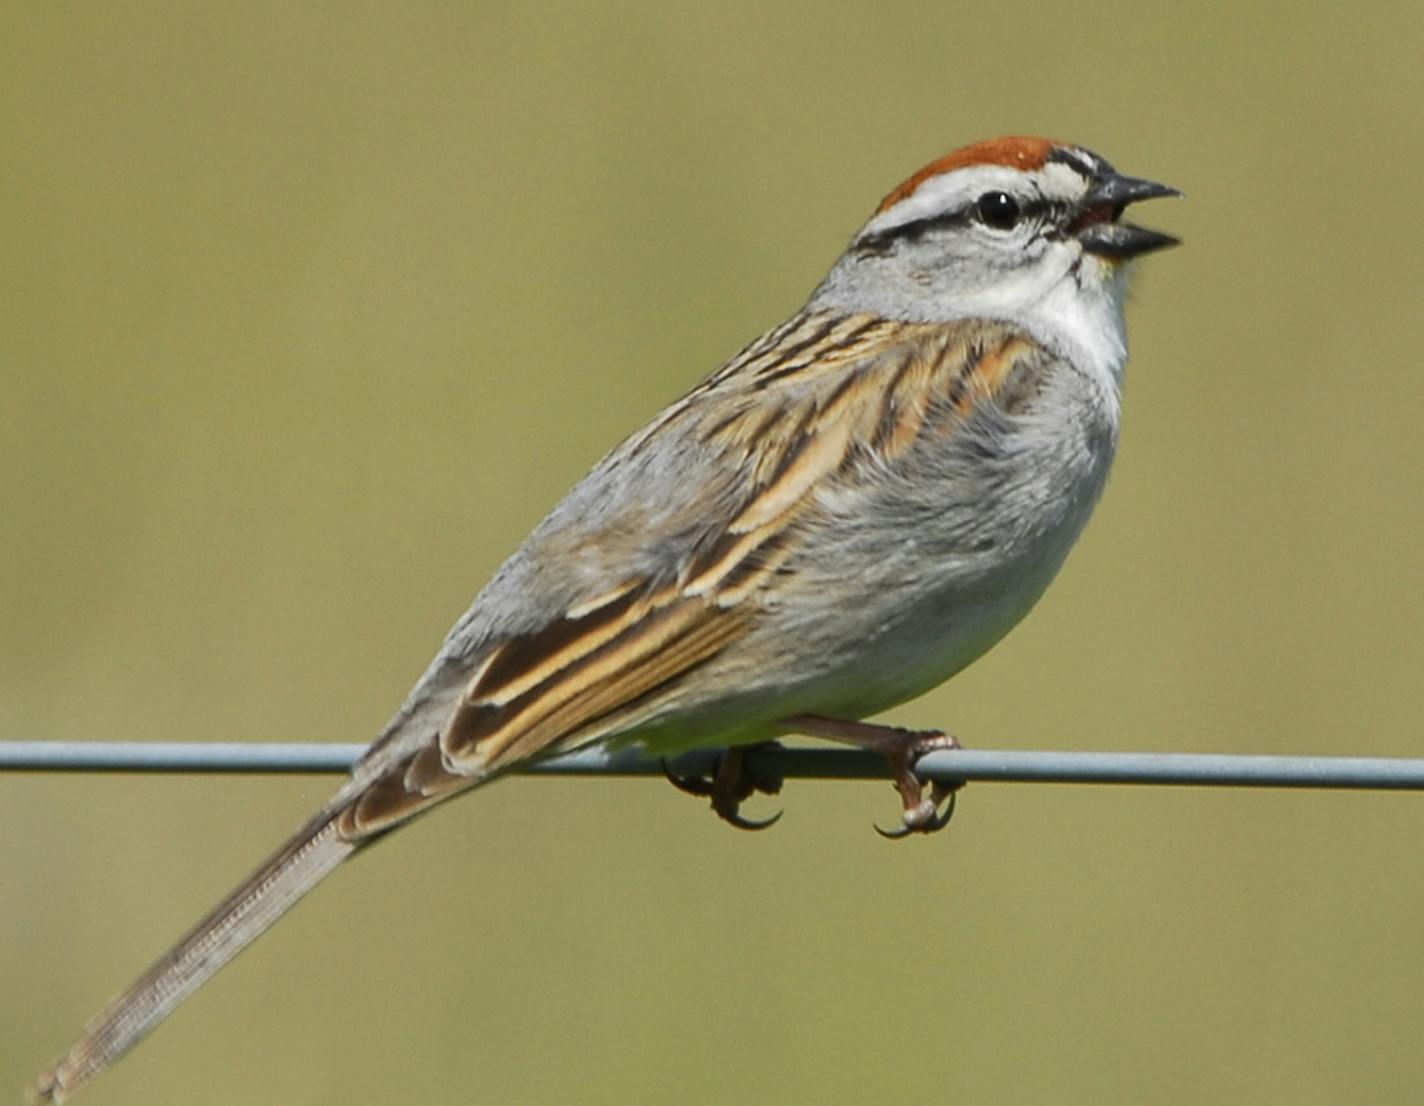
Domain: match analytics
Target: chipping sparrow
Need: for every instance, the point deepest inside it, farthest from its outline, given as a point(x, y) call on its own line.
point(853, 508)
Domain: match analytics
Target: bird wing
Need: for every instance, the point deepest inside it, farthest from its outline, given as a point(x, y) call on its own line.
point(712, 495)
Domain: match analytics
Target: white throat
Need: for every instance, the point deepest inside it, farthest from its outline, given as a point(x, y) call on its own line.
point(1070, 301)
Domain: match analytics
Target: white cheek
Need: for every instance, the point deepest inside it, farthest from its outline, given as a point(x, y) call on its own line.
point(1079, 310)
point(1101, 329)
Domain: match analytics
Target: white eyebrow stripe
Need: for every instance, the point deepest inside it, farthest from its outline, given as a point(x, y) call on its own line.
point(952, 191)
point(942, 194)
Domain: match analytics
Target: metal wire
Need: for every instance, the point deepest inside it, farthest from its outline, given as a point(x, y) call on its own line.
point(1017, 766)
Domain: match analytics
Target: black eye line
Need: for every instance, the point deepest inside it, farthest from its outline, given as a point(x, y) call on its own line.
point(883, 241)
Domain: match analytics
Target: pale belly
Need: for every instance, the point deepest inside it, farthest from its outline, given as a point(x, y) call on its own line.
point(853, 664)
point(899, 591)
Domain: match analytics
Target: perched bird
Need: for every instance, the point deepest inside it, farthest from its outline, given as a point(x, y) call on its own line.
point(849, 511)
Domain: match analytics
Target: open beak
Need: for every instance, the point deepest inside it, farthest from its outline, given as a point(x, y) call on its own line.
point(1097, 226)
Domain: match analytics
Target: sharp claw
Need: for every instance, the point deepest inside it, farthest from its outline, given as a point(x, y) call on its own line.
point(933, 823)
point(740, 822)
point(727, 794)
point(941, 819)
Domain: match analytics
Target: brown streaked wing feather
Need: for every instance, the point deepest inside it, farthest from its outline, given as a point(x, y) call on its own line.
point(387, 800)
point(675, 635)
point(791, 416)
point(904, 399)
point(494, 727)
point(677, 648)
point(522, 663)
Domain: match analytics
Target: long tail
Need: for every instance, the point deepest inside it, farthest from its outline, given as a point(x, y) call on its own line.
point(293, 870)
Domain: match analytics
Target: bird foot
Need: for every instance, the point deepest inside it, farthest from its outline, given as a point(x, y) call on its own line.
point(732, 783)
point(901, 749)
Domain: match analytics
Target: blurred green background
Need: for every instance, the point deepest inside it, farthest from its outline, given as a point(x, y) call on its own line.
point(311, 312)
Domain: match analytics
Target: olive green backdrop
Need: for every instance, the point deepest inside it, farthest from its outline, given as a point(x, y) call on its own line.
point(311, 311)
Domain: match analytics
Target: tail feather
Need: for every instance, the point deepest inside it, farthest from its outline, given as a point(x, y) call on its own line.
point(308, 856)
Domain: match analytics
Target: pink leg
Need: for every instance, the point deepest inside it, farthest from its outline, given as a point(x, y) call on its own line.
point(901, 748)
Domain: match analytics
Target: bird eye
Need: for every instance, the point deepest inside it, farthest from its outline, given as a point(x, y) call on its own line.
point(998, 210)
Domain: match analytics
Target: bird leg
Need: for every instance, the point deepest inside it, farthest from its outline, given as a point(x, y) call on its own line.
point(733, 782)
point(901, 749)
